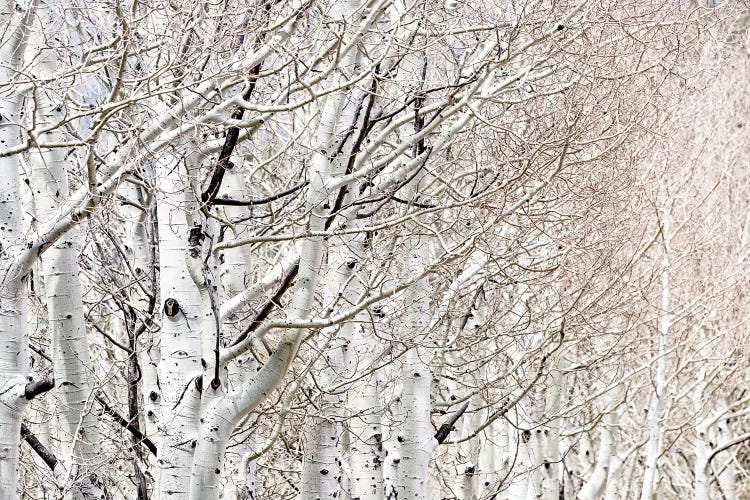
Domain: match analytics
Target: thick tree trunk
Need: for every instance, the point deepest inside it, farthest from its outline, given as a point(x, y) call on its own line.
point(366, 442)
point(14, 340)
point(237, 277)
point(416, 434)
point(222, 415)
point(180, 348)
point(593, 488)
point(73, 371)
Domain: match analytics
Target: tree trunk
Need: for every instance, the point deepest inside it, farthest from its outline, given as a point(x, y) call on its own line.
point(14, 345)
point(180, 346)
point(416, 431)
point(73, 371)
point(657, 408)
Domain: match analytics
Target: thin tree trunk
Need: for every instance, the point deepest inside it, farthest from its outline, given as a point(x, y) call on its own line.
point(552, 461)
point(657, 409)
point(592, 489)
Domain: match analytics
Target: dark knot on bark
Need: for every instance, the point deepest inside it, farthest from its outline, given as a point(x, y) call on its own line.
point(171, 307)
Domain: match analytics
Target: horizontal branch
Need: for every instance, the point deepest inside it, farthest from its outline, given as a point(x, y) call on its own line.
point(259, 201)
point(38, 387)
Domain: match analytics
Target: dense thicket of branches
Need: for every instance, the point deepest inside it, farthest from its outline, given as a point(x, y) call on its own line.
point(373, 249)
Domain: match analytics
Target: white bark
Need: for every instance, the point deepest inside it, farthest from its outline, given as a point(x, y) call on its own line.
point(416, 432)
point(552, 461)
point(321, 467)
point(365, 408)
point(725, 461)
point(712, 433)
point(593, 488)
point(613, 489)
point(221, 417)
point(140, 242)
point(180, 345)
point(14, 341)
point(78, 425)
point(533, 415)
point(237, 277)
point(702, 481)
point(656, 414)
point(469, 452)
point(521, 457)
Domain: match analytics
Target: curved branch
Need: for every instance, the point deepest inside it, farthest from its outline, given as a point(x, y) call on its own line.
point(734, 442)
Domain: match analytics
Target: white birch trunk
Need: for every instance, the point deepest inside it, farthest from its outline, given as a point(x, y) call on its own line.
point(324, 432)
point(613, 490)
point(221, 417)
point(725, 461)
point(520, 460)
point(14, 353)
point(237, 277)
point(180, 344)
point(702, 449)
point(321, 467)
point(593, 488)
point(15, 21)
point(365, 408)
point(552, 461)
point(416, 432)
point(489, 469)
point(138, 234)
point(535, 446)
point(469, 452)
point(714, 432)
point(78, 425)
point(657, 408)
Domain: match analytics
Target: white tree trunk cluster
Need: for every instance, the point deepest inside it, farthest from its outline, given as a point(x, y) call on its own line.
point(373, 250)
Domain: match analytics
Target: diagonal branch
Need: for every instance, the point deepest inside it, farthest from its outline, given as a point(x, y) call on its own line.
point(444, 431)
point(137, 434)
point(44, 453)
